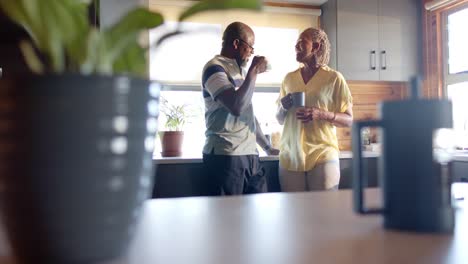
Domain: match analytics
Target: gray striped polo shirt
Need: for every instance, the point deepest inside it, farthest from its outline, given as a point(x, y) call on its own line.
point(226, 134)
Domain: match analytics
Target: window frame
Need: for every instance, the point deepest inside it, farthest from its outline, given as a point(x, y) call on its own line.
point(448, 78)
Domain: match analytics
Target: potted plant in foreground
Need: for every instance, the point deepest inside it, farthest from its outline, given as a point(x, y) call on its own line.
point(172, 138)
point(77, 136)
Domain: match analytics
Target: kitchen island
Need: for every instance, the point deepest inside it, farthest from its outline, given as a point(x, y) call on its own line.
point(299, 228)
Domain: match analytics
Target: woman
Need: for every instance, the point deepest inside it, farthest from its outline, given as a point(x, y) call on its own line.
point(309, 153)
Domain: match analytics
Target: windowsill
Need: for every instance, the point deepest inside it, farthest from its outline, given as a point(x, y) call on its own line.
point(198, 159)
point(188, 86)
point(460, 155)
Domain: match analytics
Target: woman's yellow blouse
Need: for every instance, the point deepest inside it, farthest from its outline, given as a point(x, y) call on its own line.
point(303, 146)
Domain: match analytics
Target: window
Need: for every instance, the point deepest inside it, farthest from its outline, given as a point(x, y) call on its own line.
point(277, 44)
point(194, 139)
point(179, 61)
point(457, 42)
point(456, 71)
point(264, 107)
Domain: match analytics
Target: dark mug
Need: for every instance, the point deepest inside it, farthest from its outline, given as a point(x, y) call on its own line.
point(298, 99)
point(415, 187)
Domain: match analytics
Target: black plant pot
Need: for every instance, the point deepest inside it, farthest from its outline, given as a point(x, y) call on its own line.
point(75, 164)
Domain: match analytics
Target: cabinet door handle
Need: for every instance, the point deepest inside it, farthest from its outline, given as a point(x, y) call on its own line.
point(372, 60)
point(383, 60)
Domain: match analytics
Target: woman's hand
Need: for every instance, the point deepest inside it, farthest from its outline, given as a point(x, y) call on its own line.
point(287, 101)
point(307, 114)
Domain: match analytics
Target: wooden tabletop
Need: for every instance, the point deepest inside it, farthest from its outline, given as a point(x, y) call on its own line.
point(269, 228)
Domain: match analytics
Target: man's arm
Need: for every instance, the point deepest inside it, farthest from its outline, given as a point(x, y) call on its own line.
point(263, 141)
point(281, 114)
point(236, 101)
point(284, 105)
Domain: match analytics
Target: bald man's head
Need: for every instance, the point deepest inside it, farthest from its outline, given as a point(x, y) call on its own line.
point(238, 42)
point(236, 30)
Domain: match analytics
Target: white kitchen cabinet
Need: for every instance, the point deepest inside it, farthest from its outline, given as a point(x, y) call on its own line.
point(373, 39)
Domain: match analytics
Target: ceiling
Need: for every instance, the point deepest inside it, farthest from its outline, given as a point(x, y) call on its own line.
point(307, 2)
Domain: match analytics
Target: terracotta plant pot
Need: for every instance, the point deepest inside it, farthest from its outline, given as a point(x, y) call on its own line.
point(76, 164)
point(171, 143)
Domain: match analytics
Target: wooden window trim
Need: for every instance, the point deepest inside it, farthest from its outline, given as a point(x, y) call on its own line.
point(291, 5)
point(433, 61)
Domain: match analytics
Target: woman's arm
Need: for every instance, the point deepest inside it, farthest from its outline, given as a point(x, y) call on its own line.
point(338, 119)
point(343, 119)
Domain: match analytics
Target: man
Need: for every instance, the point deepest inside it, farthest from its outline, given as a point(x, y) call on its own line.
point(232, 131)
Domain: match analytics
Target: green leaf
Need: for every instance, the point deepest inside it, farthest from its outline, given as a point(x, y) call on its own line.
point(59, 17)
point(207, 5)
point(176, 115)
point(121, 37)
point(34, 23)
point(74, 40)
point(54, 26)
point(132, 61)
point(14, 10)
point(18, 12)
point(93, 46)
point(31, 58)
point(133, 22)
point(53, 41)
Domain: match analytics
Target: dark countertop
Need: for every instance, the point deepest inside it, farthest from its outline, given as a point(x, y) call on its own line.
point(198, 159)
point(458, 156)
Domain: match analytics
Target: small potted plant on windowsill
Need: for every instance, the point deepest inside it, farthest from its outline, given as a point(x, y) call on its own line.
point(76, 133)
point(172, 138)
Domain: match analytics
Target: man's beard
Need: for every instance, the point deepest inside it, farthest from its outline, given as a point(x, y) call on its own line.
point(244, 63)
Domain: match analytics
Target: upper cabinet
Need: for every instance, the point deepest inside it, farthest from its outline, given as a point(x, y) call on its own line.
point(373, 39)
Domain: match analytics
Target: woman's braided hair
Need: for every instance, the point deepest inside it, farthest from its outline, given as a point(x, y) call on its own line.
point(319, 36)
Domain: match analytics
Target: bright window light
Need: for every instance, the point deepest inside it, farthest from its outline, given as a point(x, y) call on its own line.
point(456, 77)
point(458, 41)
point(458, 93)
point(180, 59)
point(278, 46)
